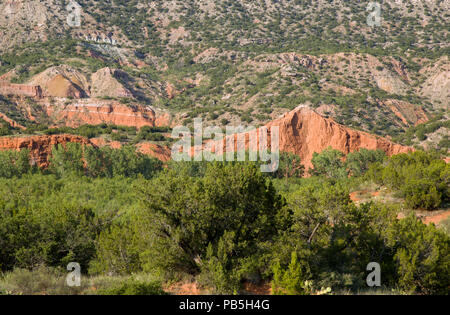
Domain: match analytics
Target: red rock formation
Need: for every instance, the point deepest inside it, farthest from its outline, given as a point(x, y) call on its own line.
point(407, 112)
point(7, 88)
point(162, 153)
point(303, 132)
point(12, 122)
point(102, 142)
point(40, 146)
point(95, 112)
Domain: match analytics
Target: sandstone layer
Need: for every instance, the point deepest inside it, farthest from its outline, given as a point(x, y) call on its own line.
point(304, 132)
point(40, 147)
point(96, 112)
point(7, 88)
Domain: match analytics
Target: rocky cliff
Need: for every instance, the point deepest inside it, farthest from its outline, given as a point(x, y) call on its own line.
point(40, 146)
point(7, 88)
point(303, 132)
point(94, 112)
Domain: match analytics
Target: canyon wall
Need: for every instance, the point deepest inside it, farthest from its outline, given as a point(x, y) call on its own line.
point(7, 88)
point(301, 131)
point(97, 112)
point(304, 132)
point(40, 146)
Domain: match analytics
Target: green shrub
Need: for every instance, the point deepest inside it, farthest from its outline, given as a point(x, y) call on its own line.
point(293, 280)
point(14, 163)
point(40, 281)
point(422, 256)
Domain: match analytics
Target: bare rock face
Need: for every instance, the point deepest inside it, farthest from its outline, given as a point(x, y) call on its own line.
point(437, 85)
point(62, 81)
point(162, 153)
point(33, 91)
point(27, 12)
point(303, 132)
point(40, 146)
point(407, 112)
point(105, 83)
point(94, 112)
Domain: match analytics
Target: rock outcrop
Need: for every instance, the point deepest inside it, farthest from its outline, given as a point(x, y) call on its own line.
point(162, 153)
point(11, 122)
point(408, 113)
point(7, 88)
point(96, 112)
point(437, 85)
point(40, 146)
point(105, 83)
point(304, 132)
point(62, 81)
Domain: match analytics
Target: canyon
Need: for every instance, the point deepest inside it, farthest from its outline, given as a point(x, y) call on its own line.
point(302, 131)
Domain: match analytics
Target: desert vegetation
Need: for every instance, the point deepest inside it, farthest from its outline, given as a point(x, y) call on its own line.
point(135, 227)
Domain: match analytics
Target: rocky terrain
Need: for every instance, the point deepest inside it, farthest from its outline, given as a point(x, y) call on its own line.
point(302, 131)
point(230, 63)
point(40, 147)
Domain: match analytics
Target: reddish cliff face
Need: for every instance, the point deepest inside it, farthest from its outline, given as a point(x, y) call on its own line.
point(40, 146)
point(7, 88)
point(162, 153)
point(95, 112)
point(303, 132)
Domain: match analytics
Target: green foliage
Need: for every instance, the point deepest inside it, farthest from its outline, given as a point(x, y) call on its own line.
point(67, 160)
point(14, 163)
point(151, 134)
point(42, 280)
point(235, 210)
point(293, 280)
point(117, 251)
point(46, 236)
point(422, 256)
point(104, 162)
point(117, 213)
point(215, 269)
point(422, 178)
point(358, 162)
point(289, 166)
point(329, 163)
